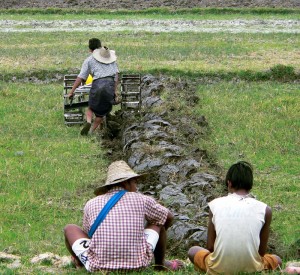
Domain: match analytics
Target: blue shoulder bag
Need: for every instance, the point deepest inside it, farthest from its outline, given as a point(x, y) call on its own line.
point(109, 205)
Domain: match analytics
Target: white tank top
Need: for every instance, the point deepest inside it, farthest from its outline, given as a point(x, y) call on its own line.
point(238, 221)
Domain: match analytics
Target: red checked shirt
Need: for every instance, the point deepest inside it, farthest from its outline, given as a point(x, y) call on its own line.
point(119, 242)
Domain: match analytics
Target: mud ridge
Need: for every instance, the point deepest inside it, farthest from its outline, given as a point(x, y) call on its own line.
point(162, 141)
point(159, 141)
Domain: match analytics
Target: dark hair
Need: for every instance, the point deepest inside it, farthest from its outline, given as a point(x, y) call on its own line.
point(240, 175)
point(94, 43)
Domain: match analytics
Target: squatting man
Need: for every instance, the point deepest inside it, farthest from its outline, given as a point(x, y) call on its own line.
point(133, 231)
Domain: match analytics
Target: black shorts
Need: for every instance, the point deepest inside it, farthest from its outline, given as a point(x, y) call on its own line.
point(102, 95)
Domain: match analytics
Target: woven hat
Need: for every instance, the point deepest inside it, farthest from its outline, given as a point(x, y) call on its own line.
point(117, 172)
point(104, 55)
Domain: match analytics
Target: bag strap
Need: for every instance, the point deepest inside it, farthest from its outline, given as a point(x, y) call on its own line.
point(109, 205)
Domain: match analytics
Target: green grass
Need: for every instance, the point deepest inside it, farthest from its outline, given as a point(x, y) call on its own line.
point(45, 169)
point(151, 13)
point(259, 122)
point(45, 54)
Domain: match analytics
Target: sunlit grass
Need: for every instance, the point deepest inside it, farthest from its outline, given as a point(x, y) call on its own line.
point(45, 168)
point(48, 170)
point(186, 52)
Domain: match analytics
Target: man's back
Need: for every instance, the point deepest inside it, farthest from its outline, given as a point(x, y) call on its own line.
point(238, 221)
point(119, 242)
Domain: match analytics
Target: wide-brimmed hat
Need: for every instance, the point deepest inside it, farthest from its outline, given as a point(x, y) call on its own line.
point(104, 55)
point(118, 171)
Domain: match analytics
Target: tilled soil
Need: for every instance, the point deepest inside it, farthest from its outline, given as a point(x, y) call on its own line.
point(210, 26)
point(144, 4)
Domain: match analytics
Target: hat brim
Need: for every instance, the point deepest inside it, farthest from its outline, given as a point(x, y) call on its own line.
point(102, 189)
point(98, 57)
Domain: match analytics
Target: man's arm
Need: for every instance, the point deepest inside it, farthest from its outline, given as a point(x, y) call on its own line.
point(211, 233)
point(76, 84)
point(264, 233)
point(169, 220)
point(157, 214)
point(116, 88)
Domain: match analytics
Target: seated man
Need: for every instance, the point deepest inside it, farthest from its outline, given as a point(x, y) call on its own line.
point(238, 229)
point(121, 242)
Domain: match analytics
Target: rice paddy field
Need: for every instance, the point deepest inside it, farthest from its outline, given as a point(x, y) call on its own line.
point(247, 81)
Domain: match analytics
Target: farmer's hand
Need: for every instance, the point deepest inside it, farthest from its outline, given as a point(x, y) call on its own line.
point(70, 95)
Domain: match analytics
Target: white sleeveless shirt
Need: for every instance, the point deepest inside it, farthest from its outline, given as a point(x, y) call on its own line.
point(238, 221)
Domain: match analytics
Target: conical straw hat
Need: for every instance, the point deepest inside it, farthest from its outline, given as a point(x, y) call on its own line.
point(104, 55)
point(118, 171)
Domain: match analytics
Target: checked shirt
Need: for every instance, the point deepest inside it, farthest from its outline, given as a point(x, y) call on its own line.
point(119, 242)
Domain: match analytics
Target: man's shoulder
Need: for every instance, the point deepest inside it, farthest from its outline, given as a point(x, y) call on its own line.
point(133, 196)
point(140, 196)
point(219, 199)
point(94, 201)
point(261, 203)
point(88, 59)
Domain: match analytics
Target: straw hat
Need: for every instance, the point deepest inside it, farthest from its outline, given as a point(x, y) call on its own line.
point(118, 171)
point(104, 55)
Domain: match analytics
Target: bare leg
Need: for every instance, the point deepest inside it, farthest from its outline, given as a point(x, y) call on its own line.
point(280, 261)
point(200, 265)
point(193, 251)
point(89, 115)
point(160, 251)
point(97, 122)
point(72, 233)
point(87, 125)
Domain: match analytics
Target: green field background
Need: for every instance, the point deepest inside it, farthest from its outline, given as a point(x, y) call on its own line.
point(48, 171)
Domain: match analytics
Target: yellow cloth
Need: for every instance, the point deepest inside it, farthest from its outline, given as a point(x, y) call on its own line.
point(89, 80)
point(270, 262)
point(200, 260)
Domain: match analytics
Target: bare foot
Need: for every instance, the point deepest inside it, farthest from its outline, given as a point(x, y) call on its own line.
point(292, 270)
point(170, 265)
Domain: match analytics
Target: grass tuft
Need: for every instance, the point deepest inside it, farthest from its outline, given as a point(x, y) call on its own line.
point(283, 73)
